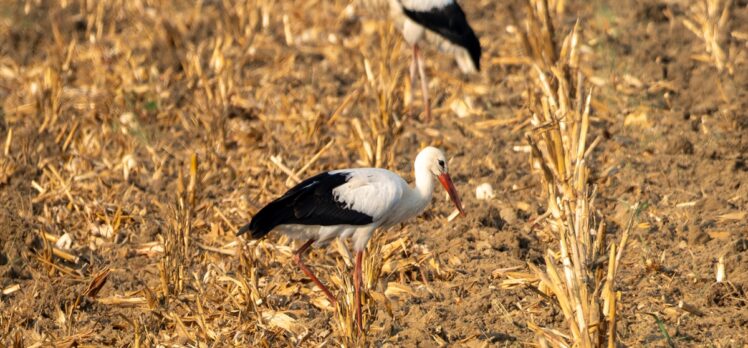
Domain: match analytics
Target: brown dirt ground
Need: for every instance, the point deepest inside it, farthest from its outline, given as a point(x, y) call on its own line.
point(146, 85)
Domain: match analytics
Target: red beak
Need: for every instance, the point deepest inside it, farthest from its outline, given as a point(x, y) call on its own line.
point(450, 187)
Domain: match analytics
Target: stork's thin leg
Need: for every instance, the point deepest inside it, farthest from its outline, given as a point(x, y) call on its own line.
point(413, 71)
point(357, 287)
point(297, 258)
point(424, 83)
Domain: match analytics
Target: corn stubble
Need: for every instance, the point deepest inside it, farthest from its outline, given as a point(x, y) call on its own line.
point(574, 276)
point(100, 98)
point(711, 21)
point(132, 109)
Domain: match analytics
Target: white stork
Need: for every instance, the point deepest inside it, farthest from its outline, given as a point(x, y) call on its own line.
point(351, 203)
point(443, 23)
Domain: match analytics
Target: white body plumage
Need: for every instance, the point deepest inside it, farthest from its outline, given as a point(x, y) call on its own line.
point(371, 197)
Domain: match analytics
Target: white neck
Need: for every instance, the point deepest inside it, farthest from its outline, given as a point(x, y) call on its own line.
point(424, 184)
point(416, 199)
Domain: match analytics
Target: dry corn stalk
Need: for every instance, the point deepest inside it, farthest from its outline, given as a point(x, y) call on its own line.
point(177, 237)
point(710, 21)
point(381, 127)
point(380, 251)
point(560, 115)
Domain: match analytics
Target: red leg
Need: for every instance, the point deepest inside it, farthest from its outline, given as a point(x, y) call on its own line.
point(424, 83)
point(357, 287)
point(413, 72)
point(297, 258)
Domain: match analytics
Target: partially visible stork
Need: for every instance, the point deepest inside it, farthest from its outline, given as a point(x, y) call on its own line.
point(442, 23)
point(351, 203)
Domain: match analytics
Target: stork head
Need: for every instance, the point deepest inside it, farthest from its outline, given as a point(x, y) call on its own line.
point(435, 162)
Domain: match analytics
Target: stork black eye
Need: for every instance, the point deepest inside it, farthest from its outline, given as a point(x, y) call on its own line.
point(441, 163)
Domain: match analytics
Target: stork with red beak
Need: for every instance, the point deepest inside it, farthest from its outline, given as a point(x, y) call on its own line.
point(351, 203)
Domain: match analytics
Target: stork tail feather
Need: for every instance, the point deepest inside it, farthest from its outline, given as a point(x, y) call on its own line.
point(266, 219)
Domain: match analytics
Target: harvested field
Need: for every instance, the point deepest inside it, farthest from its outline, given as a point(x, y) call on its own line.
point(137, 136)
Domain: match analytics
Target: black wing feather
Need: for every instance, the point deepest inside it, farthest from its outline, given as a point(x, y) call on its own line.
point(311, 202)
point(449, 22)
